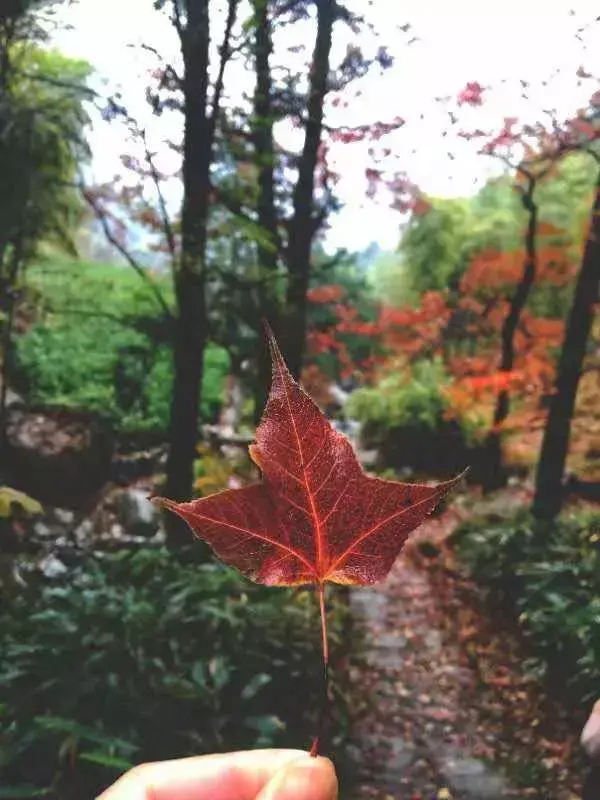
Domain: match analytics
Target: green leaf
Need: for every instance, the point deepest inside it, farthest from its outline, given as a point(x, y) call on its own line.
point(219, 671)
point(267, 724)
point(14, 792)
point(106, 760)
point(73, 728)
point(254, 686)
point(199, 674)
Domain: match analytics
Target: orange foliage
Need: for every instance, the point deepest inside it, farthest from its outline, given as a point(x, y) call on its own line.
point(490, 271)
point(465, 330)
point(326, 294)
point(450, 327)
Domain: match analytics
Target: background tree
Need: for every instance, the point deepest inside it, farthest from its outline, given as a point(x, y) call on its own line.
point(42, 144)
point(549, 490)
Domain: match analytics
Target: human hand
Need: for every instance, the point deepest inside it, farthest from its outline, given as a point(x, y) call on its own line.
point(244, 775)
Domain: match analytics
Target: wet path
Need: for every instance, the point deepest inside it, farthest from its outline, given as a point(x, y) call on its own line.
point(417, 741)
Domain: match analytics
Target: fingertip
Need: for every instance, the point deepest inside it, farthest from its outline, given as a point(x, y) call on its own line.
point(306, 779)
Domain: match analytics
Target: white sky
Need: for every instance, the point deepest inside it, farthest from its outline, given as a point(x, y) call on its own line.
point(459, 41)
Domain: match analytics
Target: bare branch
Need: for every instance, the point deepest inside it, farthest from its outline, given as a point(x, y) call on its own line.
point(176, 20)
point(225, 53)
point(164, 214)
point(169, 68)
point(135, 265)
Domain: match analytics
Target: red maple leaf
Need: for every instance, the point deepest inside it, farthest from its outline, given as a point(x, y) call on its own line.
point(316, 516)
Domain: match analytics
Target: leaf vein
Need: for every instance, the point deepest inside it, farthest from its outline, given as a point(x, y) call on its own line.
point(292, 551)
point(372, 530)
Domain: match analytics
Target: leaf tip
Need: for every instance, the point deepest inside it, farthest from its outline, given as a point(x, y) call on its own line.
point(276, 355)
point(163, 502)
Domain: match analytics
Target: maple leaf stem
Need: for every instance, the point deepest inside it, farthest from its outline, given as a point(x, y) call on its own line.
point(314, 750)
point(323, 623)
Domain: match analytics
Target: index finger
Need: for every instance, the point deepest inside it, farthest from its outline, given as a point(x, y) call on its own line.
point(227, 776)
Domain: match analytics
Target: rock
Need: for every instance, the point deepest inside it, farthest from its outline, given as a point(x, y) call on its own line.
point(394, 641)
point(12, 398)
point(84, 533)
point(368, 458)
point(131, 466)
point(401, 754)
point(115, 532)
point(42, 531)
point(63, 516)
point(136, 513)
point(471, 777)
point(52, 567)
point(60, 456)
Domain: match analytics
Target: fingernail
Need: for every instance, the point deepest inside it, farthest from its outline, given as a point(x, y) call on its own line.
point(310, 779)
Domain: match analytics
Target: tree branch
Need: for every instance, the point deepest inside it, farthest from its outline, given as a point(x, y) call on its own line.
point(176, 21)
point(141, 272)
point(169, 68)
point(164, 214)
point(224, 56)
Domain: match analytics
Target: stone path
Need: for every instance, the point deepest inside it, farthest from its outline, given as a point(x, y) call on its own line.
point(417, 741)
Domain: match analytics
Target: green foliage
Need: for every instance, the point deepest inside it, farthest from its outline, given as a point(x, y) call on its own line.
point(391, 281)
point(566, 197)
point(549, 576)
point(405, 417)
point(496, 218)
point(402, 400)
point(433, 245)
point(42, 119)
point(437, 245)
point(101, 343)
point(149, 655)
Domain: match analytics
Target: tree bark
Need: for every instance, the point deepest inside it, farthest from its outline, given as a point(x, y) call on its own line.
point(190, 326)
point(549, 491)
point(303, 224)
point(267, 249)
point(494, 475)
point(6, 344)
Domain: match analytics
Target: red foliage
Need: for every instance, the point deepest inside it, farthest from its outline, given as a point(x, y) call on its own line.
point(441, 324)
point(361, 133)
point(331, 293)
point(471, 94)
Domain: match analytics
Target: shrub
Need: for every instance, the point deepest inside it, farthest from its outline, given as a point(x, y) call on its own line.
point(148, 655)
point(406, 417)
point(549, 576)
point(403, 401)
point(101, 344)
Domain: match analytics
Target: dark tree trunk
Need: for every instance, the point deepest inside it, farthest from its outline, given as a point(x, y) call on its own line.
point(303, 224)
point(190, 325)
point(267, 249)
point(494, 475)
point(548, 497)
point(8, 304)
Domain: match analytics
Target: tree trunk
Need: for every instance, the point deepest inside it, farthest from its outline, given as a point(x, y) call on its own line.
point(303, 225)
point(494, 475)
point(548, 497)
point(191, 324)
point(6, 343)
point(267, 249)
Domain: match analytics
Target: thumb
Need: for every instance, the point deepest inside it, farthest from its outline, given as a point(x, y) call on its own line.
point(305, 779)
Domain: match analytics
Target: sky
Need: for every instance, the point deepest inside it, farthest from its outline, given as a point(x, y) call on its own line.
point(465, 40)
